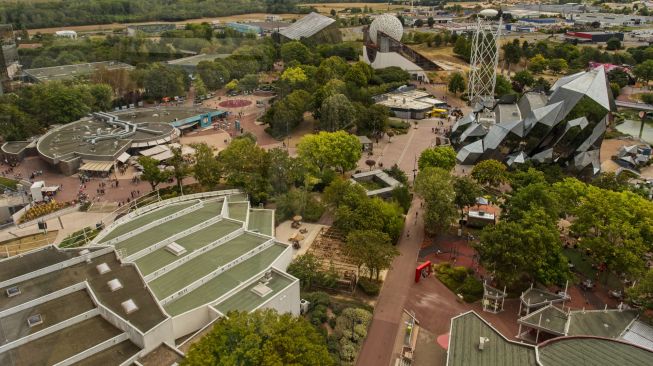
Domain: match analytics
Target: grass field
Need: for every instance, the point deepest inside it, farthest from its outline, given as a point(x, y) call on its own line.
point(325, 8)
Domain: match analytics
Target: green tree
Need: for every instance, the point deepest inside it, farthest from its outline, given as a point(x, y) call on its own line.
point(162, 81)
point(440, 157)
point(529, 248)
point(200, 87)
point(102, 95)
point(336, 113)
point(206, 169)
point(330, 150)
point(151, 172)
point(306, 268)
point(522, 178)
point(557, 65)
point(215, 75)
point(248, 83)
point(245, 165)
point(613, 44)
point(644, 71)
point(456, 83)
point(533, 195)
point(537, 64)
point(430, 21)
point(489, 172)
point(359, 73)
point(642, 292)
point(343, 192)
point(523, 79)
point(373, 120)
point(371, 214)
point(294, 75)
point(512, 53)
point(295, 51)
point(435, 186)
point(370, 248)
point(263, 337)
point(503, 86)
point(467, 191)
point(180, 165)
point(285, 171)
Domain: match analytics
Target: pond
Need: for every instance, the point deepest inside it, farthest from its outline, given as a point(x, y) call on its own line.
point(637, 129)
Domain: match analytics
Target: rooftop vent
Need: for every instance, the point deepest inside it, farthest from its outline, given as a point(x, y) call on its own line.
point(175, 249)
point(262, 290)
point(34, 320)
point(103, 268)
point(481, 343)
point(129, 306)
point(13, 291)
point(114, 285)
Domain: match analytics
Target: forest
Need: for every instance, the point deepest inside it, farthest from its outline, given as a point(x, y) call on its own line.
point(57, 13)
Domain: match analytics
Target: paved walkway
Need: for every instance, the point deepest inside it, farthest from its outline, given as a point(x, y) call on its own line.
point(378, 347)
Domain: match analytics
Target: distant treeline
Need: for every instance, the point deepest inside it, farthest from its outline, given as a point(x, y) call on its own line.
point(58, 13)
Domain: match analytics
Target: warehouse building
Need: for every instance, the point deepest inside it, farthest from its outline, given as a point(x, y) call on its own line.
point(158, 274)
point(607, 20)
point(593, 37)
point(314, 27)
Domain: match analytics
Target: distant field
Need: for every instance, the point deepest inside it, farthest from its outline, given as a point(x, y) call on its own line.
point(111, 27)
point(325, 8)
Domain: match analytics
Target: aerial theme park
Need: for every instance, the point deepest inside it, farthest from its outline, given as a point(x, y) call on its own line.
point(326, 184)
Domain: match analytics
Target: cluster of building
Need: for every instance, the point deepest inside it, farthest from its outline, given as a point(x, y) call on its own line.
point(553, 128)
point(151, 279)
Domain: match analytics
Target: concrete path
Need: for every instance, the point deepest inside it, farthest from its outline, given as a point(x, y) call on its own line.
point(378, 347)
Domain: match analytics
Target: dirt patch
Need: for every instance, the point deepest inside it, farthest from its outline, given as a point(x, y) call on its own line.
point(235, 103)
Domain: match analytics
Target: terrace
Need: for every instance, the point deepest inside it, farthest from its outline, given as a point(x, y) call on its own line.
point(247, 300)
point(238, 210)
point(184, 275)
point(261, 221)
point(227, 280)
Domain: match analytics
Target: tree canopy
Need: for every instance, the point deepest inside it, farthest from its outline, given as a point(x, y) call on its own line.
point(489, 172)
point(435, 186)
point(263, 337)
point(370, 248)
point(338, 150)
point(440, 157)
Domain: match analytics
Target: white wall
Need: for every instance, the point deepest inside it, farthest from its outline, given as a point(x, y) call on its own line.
point(283, 260)
point(191, 321)
point(285, 301)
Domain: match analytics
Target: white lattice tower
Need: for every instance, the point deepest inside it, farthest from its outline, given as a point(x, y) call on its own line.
point(484, 58)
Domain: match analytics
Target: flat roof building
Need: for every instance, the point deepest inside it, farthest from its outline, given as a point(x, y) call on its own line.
point(153, 276)
point(312, 26)
point(67, 72)
point(414, 104)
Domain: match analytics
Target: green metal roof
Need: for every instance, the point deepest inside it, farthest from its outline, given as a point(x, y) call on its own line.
point(146, 218)
point(247, 300)
point(238, 210)
point(548, 318)
point(200, 266)
point(162, 257)
point(226, 281)
point(599, 323)
point(261, 221)
point(582, 351)
point(466, 331)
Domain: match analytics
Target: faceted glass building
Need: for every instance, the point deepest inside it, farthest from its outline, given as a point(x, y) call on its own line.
point(565, 126)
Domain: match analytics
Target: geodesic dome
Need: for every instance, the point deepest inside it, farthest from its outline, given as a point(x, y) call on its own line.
point(388, 24)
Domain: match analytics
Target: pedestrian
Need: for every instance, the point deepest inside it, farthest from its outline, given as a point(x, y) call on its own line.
point(408, 234)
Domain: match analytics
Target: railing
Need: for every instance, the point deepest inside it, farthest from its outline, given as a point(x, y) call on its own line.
point(154, 223)
point(93, 350)
point(194, 285)
point(192, 255)
point(49, 216)
point(55, 267)
point(43, 299)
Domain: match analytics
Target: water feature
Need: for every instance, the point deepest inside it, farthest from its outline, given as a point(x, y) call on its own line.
point(643, 130)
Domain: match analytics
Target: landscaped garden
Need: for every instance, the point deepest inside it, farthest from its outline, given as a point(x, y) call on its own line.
point(41, 210)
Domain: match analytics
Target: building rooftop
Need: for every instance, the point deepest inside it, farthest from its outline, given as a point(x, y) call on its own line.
point(307, 26)
point(261, 221)
point(248, 300)
point(192, 61)
point(599, 323)
point(64, 72)
point(592, 351)
point(467, 330)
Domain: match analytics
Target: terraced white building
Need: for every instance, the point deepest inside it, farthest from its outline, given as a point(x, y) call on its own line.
point(153, 276)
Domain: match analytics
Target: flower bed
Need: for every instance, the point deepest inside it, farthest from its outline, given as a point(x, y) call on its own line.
point(42, 209)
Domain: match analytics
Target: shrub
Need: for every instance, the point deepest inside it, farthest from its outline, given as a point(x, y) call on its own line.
point(317, 298)
point(369, 287)
point(471, 289)
point(318, 315)
point(85, 206)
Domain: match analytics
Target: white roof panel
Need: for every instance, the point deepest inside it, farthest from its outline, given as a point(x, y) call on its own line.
point(307, 26)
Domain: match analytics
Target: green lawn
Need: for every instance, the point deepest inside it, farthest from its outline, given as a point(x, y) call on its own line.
point(9, 183)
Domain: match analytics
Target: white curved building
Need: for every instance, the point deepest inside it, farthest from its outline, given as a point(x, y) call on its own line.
point(383, 48)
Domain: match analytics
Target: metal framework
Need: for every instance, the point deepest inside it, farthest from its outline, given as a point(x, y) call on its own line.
point(484, 60)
